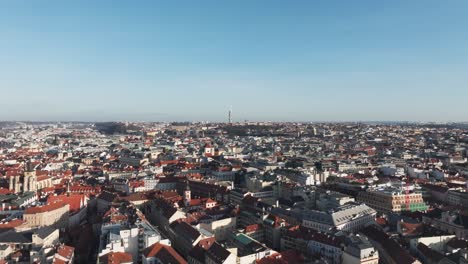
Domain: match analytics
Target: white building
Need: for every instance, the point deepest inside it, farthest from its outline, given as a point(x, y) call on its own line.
point(350, 217)
point(360, 251)
point(327, 246)
point(127, 238)
point(220, 228)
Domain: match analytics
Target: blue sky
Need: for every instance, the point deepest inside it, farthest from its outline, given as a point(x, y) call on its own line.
point(271, 60)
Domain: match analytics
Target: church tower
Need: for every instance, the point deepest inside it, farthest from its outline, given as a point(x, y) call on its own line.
point(30, 178)
point(187, 195)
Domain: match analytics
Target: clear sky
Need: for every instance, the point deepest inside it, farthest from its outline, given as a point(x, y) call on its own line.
point(271, 60)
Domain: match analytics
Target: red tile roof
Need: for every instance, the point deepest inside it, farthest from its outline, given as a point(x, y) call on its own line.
point(252, 228)
point(210, 201)
point(164, 253)
point(286, 257)
point(41, 173)
point(381, 221)
point(74, 200)
point(11, 224)
point(45, 208)
point(65, 251)
point(85, 189)
point(42, 178)
point(206, 243)
point(195, 202)
point(4, 191)
point(410, 228)
point(116, 258)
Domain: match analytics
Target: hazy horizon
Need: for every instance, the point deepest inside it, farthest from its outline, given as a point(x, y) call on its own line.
point(238, 121)
point(269, 60)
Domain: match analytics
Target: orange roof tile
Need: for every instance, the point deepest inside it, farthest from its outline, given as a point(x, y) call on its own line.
point(164, 253)
point(116, 258)
point(45, 208)
point(74, 200)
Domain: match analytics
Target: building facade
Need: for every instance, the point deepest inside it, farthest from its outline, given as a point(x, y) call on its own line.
point(392, 200)
point(55, 214)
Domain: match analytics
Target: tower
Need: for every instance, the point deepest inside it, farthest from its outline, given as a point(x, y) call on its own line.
point(30, 179)
point(68, 188)
point(187, 195)
point(15, 181)
point(25, 182)
point(11, 183)
point(230, 115)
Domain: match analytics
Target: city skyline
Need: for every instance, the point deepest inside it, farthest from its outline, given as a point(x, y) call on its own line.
point(270, 60)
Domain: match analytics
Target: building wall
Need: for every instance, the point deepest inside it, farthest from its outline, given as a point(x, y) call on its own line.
point(230, 259)
point(5, 253)
point(332, 253)
point(316, 226)
point(47, 241)
point(436, 242)
point(57, 217)
point(273, 236)
point(298, 244)
point(350, 259)
point(457, 197)
point(357, 223)
point(221, 228)
point(78, 217)
point(250, 259)
point(254, 184)
point(446, 224)
point(383, 202)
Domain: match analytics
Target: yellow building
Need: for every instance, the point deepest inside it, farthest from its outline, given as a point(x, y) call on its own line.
point(55, 214)
point(392, 200)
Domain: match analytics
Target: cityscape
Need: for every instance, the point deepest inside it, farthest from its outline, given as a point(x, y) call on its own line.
point(233, 192)
point(233, 132)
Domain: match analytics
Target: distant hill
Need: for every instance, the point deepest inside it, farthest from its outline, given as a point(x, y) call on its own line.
point(111, 128)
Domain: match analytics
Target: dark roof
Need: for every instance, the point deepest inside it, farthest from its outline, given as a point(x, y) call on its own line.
point(308, 234)
point(45, 231)
point(437, 188)
point(249, 200)
point(456, 257)
point(457, 243)
point(286, 202)
point(107, 196)
point(169, 212)
point(217, 253)
point(186, 231)
point(198, 253)
point(463, 219)
point(436, 213)
point(393, 249)
point(429, 254)
point(14, 237)
point(297, 199)
point(166, 207)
